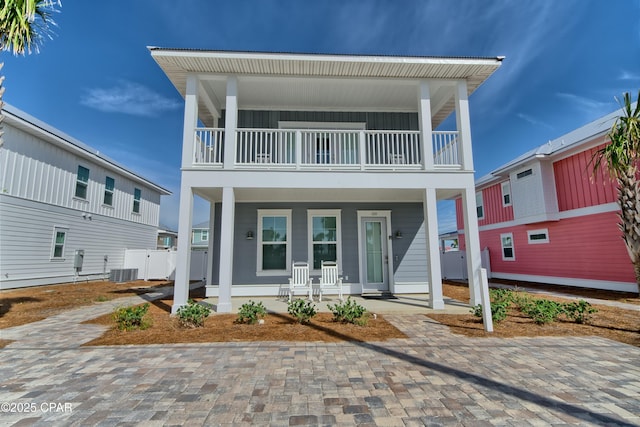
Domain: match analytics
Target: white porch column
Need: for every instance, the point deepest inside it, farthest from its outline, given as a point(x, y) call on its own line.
point(190, 120)
point(212, 215)
point(433, 249)
point(231, 122)
point(424, 121)
point(183, 256)
point(226, 249)
point(463, 123)
point(472, 240)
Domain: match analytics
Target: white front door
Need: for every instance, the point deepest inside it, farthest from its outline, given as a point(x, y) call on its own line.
point(374, 255)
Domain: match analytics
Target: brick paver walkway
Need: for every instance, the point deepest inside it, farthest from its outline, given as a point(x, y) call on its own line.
point(432, 378)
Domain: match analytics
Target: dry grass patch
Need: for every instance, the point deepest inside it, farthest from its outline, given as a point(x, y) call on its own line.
point(27, 305)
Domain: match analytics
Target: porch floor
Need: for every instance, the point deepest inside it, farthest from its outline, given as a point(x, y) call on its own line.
point(402, 304)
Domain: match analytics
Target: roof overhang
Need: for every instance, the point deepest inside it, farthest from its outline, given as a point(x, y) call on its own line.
point(333, 82)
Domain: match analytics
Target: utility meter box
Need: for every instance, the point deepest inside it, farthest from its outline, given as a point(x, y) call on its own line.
point(78, 258)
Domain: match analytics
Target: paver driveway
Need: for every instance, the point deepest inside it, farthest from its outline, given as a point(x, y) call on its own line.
point(431, 378)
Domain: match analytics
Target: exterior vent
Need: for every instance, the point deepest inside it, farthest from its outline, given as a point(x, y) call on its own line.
point(123, 275)
point(524, 173)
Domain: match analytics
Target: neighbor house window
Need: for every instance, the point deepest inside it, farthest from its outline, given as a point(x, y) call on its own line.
point(538, 236)
point(274, 240)
point(506, 241)
point(137, 194)
point(59, 238)
point(82, 182)
point(324, 236)
point(109, 185)
point(506, 194)
point(204, 235)
point(479, 205)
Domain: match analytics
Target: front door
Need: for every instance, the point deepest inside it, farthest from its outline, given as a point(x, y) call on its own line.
point(374, 255)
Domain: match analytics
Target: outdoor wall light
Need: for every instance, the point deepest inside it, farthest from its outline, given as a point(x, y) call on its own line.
point(249, 235)
point(398, 234)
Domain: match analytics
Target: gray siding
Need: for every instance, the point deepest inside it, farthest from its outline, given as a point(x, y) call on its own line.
point(373, 120)
point(409, 252)
point(27, 228)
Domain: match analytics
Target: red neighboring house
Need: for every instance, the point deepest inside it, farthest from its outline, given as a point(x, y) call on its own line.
point(544, 218)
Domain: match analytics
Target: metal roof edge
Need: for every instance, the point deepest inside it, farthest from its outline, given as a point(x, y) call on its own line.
point(13, 113)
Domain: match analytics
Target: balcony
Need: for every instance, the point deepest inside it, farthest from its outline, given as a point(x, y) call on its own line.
point(326, 149)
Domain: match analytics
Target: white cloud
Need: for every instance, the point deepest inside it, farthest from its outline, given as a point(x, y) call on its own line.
point(534, 121)
point(592, 107)
point(129, 98)
point(627, 75)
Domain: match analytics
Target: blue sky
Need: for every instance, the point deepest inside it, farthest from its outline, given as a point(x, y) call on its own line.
point(95, 80)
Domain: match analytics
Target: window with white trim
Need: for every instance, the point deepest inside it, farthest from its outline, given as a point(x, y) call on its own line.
point(204, 235)
point(274, 241)
point(506, 194)
point(506, 242)
point(479, 205)
point(324, 236)
point(82, 182)
point(137, 195)
point(535, 237)
point(109, 185)
point(59, 240)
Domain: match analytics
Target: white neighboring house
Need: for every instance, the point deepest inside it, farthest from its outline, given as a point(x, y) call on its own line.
point(67, 212)
point(310, 157)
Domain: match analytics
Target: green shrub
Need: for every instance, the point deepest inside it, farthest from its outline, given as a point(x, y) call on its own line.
point(128, 318)
point(301, 310)
point(193, 314)
point(250, 312)
point(498, 310)
point(349, 311)
point(501, 295)
point(543, 310)
point(579, 312)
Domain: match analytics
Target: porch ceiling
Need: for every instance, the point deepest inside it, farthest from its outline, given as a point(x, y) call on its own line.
point(328, 82)
point(294, 195)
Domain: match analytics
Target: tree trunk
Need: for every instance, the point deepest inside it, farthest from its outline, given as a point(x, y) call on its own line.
point(629, 202)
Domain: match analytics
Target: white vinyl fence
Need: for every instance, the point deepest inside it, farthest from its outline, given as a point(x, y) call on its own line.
point(161, 264)
point(454, 264)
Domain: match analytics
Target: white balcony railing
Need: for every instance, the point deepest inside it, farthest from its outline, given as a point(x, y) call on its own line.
point(334, 149)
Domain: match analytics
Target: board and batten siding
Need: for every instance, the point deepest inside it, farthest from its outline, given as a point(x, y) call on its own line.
point(373, 120)
point(566, 255)
point(409, 263)
point(577, 188)
point(27, 232)
point(33, 169)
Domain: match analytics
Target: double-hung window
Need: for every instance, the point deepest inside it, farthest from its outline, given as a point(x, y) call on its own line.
point(479, 205)
point(506, 241)
point(274, 241)
point(324, 236)
point(506, 194)
point(109, 185)
point(137, 194)
point(82, 182)
point(59, 239)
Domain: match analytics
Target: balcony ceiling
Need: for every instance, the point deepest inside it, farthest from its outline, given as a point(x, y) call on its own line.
point(322, 82)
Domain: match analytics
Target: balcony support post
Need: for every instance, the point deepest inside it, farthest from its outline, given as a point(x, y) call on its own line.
point(434, 275)
point(226, 250)
point(362, 146)
point(298, 144)
point(424, 121)
point(463, 123)
point(183, 255)
point(472, 241)
point(190, 120)
point(231, 122)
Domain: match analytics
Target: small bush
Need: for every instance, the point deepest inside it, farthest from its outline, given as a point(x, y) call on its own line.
point(543, 310)
point(128, 318)
point(498, 310)
point(302, 310)
point(349, 312)
point(101, 298)
point(579, 312)
point(193, 314)
point(250, 312)
point(501, 295)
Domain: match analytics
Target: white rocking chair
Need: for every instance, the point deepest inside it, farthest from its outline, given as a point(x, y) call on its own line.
point(300, 280)
point(329, 279)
